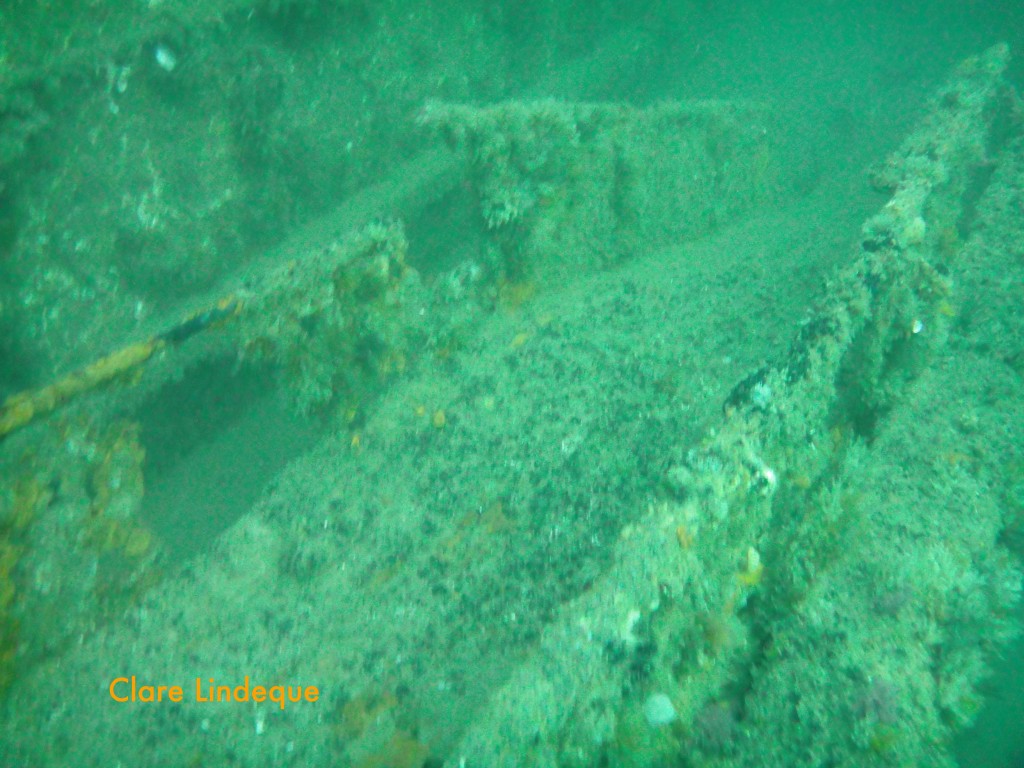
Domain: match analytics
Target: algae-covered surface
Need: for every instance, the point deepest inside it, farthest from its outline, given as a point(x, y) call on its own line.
point(394, 385)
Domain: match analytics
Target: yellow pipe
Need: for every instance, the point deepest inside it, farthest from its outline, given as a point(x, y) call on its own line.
point(22, 408)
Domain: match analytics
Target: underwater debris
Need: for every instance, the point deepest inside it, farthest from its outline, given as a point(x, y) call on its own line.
point(555, 179)
point(861, 342)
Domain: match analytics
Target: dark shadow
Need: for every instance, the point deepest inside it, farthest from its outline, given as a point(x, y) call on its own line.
point(213, 440)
